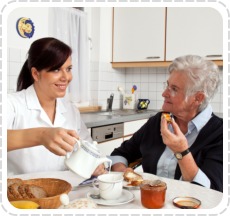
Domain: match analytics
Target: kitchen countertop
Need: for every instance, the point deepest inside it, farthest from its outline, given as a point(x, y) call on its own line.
point(94, 119)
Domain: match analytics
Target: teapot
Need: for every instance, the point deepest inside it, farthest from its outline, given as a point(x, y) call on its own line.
point(85, 159)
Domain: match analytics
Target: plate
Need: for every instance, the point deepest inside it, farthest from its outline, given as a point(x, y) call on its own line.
point(186, 202)
point(125, 197)
point(146, 176)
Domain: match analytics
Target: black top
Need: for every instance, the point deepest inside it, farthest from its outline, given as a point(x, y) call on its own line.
point(207, 149)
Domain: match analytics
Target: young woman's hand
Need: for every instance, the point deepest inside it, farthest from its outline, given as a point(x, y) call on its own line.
point(59, 140)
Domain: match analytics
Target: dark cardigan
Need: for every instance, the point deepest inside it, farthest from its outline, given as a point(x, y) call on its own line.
point(207, 149)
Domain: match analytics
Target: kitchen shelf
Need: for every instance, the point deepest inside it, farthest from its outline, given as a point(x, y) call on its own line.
point(151, 64)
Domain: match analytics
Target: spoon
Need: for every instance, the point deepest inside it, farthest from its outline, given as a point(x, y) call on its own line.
point(121, 89)
point(95, 196)
point(155, 183)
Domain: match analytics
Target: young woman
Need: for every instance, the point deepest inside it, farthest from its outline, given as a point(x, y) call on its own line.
point(41, 124)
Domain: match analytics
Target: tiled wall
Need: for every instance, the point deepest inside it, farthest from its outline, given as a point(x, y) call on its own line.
point(106, 80)
point(15, 60)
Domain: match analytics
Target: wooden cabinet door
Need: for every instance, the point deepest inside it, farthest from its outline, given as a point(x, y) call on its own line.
point(139, 34)
point(197, 31)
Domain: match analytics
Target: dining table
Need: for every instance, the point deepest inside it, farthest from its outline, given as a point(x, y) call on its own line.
point(209, 198)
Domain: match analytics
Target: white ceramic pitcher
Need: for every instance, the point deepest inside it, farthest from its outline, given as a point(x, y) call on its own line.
point(85, 159)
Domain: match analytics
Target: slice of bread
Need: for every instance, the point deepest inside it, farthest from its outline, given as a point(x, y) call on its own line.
point(21, 190)
point(136, 182)
point(9, 183)
point(34, 191)
point(130, 176)
point(14, 190)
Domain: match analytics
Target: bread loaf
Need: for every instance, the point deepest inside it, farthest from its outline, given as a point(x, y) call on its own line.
point(11, 182)
point(14, 190)
point(21, 190)
point(34, 191)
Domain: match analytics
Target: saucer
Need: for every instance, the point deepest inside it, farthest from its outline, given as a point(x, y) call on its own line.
point(125, 197)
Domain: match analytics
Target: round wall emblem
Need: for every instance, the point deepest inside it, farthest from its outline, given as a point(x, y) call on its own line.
point(25, 27)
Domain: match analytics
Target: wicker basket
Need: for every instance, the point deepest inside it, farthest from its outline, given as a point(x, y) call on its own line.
point(53, 187)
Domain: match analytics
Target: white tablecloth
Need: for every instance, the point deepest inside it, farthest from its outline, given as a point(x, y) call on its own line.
point(209, 198)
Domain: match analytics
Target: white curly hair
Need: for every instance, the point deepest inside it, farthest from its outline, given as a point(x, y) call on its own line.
point(204, 76)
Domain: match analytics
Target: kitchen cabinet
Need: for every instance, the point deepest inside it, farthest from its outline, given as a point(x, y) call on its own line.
point(107, 148)
point(139, 34)
point(132, 126)
point(197, 31)
point(127, 138)
point(153, 37)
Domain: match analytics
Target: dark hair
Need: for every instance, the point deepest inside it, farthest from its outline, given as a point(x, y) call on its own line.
point(46, 53)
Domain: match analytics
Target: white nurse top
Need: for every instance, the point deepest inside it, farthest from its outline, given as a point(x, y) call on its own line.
point(25, 111)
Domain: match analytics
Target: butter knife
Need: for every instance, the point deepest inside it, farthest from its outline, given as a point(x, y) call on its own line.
point(80, 186)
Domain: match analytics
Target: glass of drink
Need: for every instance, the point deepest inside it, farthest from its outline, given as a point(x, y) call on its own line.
point(153, 197)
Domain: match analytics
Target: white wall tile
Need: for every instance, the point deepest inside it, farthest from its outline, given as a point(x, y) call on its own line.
point(96, 66)
point(23, 55)
point(8, 82)
point(144, 70)
point(15, 68)
point(152, 70)
point(159, 87)
point(153, 77)
point(8, 54)
point(129, 70)
point(144, 77)
point(136, 78)
point(221, 108)
point(15, 55)
point(110, 86)
point(161, 77)
point(161, 70)
point(144, 87)
point(152, 96)
point(144, 95)
point(152, 87)
point(152, 104)
point(215, 107)
point(128, 88)
point(136, 70)
point(159, 104)
point(114, 86)
point(221, 98)
point(8, 68)
point(216, 98)
point(159, 96)
point(13, 82)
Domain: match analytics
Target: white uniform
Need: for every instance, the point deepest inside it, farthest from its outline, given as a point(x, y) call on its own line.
point(25, 111)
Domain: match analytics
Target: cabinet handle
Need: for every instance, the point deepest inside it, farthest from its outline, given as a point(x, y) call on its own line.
point(213, 56)
point(153, 57)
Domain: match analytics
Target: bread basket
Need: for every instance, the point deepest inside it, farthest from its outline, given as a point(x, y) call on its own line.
point(53, 187)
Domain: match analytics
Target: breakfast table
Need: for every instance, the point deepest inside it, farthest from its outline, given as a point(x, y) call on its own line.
point(209, 198)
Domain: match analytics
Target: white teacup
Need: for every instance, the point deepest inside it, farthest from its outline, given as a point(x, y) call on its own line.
point(110, 185)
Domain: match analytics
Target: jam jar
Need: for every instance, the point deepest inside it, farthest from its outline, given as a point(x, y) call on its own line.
point(153, 197)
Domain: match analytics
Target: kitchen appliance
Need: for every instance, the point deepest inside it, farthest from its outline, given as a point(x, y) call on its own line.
point(109, 132)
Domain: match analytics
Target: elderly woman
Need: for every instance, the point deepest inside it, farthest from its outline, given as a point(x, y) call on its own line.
point(191, 147)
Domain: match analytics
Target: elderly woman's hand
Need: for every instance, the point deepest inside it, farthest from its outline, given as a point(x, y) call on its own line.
point(177, 142)
point(100, 170)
